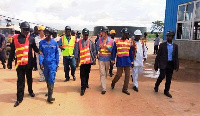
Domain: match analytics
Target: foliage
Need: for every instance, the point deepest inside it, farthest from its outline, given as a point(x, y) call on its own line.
point(157, 26)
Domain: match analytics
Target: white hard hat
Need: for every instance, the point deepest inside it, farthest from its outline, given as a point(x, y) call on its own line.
point(137, 32)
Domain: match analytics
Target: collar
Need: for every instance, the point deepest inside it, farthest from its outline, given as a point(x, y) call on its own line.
point(108, 39)
point(169, 43)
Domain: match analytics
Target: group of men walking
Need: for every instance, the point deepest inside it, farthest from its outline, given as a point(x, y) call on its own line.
point(76, 51)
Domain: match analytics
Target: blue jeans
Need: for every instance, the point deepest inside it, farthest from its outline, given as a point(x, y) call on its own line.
point(69, 61)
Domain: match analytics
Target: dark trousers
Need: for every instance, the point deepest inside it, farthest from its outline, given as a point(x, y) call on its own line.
point(168, 72)
point(155, 49)
point(69, 61)
point(2, 59)
point(111, 68)
point(35, 62)
point(84, 74)
point(21, 72)
point(119, 74)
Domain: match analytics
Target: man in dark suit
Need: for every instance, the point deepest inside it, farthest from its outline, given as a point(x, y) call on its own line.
point(167, 61)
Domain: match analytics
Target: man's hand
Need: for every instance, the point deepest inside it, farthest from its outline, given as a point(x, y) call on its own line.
point(41, 53)
point(62, 48)
point(132, 64)
point(112, 61)
point(145, 59)
point(41, 67)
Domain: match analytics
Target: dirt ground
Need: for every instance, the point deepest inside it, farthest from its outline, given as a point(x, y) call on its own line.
point(184, 89)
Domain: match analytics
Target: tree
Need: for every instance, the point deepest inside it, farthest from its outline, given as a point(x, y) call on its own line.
point(157, 26)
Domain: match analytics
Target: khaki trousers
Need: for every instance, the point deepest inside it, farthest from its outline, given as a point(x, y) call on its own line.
point(119, 74)
point(103, 69)
point(42, 78)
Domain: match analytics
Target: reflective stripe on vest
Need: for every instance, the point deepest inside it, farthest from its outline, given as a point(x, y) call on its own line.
point(105, 52)
point(21, 51)
point(84, 53)
point(68, 46)
point(123, 47)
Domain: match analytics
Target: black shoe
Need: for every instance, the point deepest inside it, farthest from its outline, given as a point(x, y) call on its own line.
point(17, 103)
point(74, 78)
point(32, 94)
point(50, 100)
point(66, 80)
point(126, 92)
point(112, 85)
point(111, 74)
point(82, 92)
point(4, 66)
point(87, 86)
point(135, 88)
point(103, 92)
point(156, 89)
point(168, 94)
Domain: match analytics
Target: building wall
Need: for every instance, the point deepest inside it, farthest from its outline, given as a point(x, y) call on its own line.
point(187, 49)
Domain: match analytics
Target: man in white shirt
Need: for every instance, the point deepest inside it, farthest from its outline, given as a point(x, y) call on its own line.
point(139, 55)
point(38, 38)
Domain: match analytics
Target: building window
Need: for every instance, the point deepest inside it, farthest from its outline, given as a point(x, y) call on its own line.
point(188, 24)
point(189, 12)
point(196, 35)
point(181, 13)
point(197, 12)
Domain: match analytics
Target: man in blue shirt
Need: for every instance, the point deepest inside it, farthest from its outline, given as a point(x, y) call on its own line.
point(124, 50)
point(49, 61)
point(167, 61)
point(104, 46)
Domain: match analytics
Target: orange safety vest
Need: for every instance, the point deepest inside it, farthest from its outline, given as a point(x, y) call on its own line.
point(21, 50)
point(123, 47)
point(144, 40)
point(84, 53)
point(105, 52)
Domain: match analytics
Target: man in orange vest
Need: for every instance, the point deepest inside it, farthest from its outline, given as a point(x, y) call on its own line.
point(122, 47)
point(104, 46)
point(67, 44)
point(22, 46)
point(85, 54)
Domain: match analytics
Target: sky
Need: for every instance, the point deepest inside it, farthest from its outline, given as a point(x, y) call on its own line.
point(81, 14)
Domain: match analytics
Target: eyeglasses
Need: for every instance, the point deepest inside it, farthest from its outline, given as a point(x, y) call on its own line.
point(26, 29)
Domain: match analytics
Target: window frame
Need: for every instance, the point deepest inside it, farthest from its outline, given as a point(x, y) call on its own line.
point(192, 21)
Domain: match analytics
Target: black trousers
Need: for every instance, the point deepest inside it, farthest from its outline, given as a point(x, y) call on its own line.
point(111, 68)
point(2, 59)
point(168, 72)
point(84, 74)
point(21, 72)
point(35, 62)
point(155, 49)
